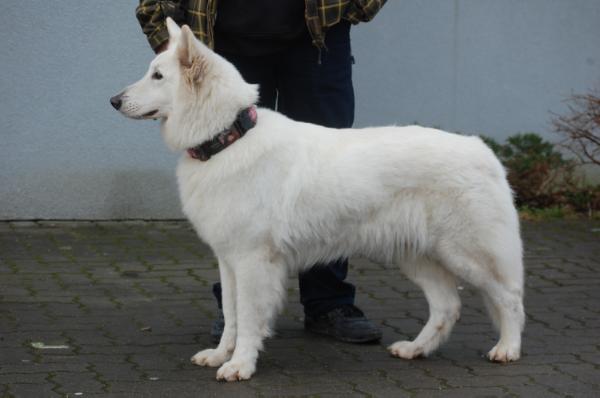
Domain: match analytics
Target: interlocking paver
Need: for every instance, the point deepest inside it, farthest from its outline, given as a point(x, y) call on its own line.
point(132, 301)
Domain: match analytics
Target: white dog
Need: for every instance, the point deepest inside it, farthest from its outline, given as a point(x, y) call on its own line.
point(287, 195)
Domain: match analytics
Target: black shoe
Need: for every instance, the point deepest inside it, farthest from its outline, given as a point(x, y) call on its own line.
point(346, 323)
point(216, 331)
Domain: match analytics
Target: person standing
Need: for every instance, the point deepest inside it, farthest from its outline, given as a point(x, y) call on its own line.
point(299, 53)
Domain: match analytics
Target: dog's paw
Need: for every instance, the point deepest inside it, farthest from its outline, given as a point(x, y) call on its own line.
point(235, 371)
point(504, 353)
point(210, 357)
point(405, 349)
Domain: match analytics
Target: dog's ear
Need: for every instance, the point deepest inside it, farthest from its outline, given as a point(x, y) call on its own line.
point(173, 29)
point(186, 47)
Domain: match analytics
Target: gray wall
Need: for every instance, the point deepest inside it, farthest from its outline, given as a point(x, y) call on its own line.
point(475, 66)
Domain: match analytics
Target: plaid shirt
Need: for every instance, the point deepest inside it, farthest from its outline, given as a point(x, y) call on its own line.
point(200, 15)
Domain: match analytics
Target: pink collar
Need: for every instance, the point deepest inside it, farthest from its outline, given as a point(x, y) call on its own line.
point(244, 121)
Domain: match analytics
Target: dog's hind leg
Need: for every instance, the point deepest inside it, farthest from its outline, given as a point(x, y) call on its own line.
point(504, 300)
point(503, 296)
point(260, 292)
point(439, 287)
point(499, 277)
point(507, 306)
point(223, 352)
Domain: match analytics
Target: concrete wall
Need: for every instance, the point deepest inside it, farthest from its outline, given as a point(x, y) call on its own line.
point(475, 66)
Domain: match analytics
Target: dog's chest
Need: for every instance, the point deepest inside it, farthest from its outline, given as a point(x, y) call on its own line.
point(220, 206)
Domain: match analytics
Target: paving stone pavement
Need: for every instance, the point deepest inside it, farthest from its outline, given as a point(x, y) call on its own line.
point(116, 309)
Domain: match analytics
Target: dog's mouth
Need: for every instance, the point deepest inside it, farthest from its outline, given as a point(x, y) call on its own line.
point(150, 114)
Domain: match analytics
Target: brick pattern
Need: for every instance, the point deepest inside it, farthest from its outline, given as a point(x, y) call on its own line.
point(132, 301)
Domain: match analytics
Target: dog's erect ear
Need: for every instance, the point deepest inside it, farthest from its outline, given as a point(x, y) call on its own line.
point(186, 47)
point(173, 29)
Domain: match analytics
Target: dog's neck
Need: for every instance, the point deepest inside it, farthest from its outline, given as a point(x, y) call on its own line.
point(199, 114)
point(205, 107)
point(244, 121)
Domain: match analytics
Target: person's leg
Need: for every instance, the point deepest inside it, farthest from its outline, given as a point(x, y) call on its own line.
point(318, 92)
point(322, 93)
point(323, 288)
point(261, 71)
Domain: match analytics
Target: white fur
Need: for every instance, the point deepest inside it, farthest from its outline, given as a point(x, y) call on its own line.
point(288, 195)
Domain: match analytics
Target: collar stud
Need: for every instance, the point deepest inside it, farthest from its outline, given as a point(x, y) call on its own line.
point(244, 121)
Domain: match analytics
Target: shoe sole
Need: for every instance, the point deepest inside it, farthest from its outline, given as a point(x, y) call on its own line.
point(368, 339)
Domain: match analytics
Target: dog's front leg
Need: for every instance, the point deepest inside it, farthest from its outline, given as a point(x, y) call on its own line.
point(221, 354)
point(260, 292)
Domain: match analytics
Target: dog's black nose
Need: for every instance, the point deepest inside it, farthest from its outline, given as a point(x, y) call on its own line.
point(116, 101)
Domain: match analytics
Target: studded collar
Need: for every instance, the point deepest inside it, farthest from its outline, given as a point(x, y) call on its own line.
point(244, 121)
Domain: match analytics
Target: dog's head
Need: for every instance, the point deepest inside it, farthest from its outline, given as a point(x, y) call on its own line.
point(195, 92)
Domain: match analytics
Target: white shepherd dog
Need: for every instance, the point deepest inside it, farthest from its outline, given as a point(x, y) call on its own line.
point(287, 195)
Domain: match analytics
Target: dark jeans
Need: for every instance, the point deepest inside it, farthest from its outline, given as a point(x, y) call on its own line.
point(294, 82)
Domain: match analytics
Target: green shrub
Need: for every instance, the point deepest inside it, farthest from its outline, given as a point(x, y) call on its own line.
point(541, 178)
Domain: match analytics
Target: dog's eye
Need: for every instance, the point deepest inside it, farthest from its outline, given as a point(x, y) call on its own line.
point(157, 75)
